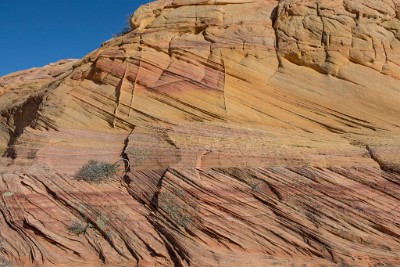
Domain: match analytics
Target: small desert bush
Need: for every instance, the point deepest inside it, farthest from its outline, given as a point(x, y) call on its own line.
point(177, 215)
point(96, 171)
point(77, 228)
point(127, 28)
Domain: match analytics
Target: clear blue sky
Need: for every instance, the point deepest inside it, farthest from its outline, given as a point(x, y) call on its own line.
point(34, 33)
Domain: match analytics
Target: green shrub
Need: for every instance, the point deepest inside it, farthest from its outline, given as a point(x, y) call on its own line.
point(32, 154)
point(96, 171)
point(77, 228)
point(176, 214)
point(173, 210)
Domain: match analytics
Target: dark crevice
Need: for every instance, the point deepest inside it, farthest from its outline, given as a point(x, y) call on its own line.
point(118, 89)
point(102, 257)
point(274, 15)
point(154, 200)
point(172, 255)
point(274, 19)
point(200, 29)
point(169, 140)
point(275, 191)
point(124, 155)
point(20, 118)
point(127, 163)
point(131, 251)
point(175, 251)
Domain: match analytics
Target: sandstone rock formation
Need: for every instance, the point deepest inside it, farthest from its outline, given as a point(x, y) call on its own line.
point(259, 133)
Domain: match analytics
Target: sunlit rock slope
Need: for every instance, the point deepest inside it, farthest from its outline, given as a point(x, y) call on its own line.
point(259, 133)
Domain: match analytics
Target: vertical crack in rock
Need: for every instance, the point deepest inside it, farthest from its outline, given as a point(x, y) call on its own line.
point(224, 93)
point(118, 91)
point(274, 19)
point(133, 93)
point(127, 163)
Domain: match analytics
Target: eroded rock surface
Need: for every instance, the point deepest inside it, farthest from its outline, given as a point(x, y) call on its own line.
point(327, 35)
point(258, 133)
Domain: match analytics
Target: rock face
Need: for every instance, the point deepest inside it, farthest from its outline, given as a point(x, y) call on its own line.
point(21, 95)
point(258, 133)
point(327, 35)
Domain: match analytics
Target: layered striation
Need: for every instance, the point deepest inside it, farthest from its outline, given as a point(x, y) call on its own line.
point(257, 133)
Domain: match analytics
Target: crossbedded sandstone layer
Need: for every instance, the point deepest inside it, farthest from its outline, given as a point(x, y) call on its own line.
point(258, 133)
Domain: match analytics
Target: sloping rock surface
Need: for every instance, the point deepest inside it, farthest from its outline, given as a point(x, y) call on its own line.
point(258, 133)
